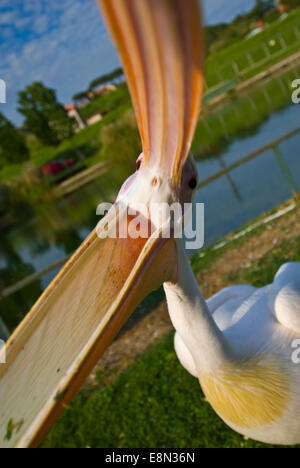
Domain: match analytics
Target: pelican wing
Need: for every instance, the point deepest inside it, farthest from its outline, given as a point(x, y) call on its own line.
point(284, 298)
point(161, 48)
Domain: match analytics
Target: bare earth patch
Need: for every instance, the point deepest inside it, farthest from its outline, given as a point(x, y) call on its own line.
point(146, 330)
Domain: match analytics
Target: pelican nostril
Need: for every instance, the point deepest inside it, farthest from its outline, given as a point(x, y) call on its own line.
point(193, 183)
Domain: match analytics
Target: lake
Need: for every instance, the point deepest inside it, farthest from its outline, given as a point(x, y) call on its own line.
point(227, 134)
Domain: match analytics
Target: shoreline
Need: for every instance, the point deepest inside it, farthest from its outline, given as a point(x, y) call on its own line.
point(236, 251)
point(287, 63)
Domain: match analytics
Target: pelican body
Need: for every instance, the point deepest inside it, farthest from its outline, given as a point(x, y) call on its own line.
point(239, 344)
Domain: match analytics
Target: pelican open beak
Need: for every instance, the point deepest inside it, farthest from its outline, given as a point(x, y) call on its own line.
point(59, 342)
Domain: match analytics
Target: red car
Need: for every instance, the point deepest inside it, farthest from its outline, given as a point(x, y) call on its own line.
point(57, 166)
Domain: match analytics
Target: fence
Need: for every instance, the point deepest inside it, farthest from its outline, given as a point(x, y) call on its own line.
point(281, 86)
point(274, 146)
point(280, 45)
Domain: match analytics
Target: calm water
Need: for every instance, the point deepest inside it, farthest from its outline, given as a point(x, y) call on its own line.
point(257, 186)
point(230, 202)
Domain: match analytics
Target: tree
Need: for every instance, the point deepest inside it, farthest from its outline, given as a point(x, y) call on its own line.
point(290, 4)
point(106, 78)
point(44, 115)
point(117, 73)
point(82, 96)
point(97, 82)
point(259, 8)
point(12, 144)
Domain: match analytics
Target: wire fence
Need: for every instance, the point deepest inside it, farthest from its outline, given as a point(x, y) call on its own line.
point(274, 146)
point(223, 117)
point(280, 45)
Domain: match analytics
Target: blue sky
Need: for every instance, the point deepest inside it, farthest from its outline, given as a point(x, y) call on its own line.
point(64, 43)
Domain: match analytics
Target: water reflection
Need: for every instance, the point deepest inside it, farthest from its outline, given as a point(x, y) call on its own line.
point(223, 137)
point(12, 308)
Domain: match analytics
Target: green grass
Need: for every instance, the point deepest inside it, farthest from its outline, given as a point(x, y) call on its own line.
point(215, 129)
point(262, 272)
point(107, 102)
point(155, 403)
point(86, 142)
point(223, 59)
point(242, 113)
point(10, 172)
point(260, 67)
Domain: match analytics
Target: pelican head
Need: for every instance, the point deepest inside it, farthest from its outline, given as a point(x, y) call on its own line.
point(53, 350)
point(153, 186)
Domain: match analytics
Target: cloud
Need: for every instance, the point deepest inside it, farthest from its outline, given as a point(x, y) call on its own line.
point(64, 43)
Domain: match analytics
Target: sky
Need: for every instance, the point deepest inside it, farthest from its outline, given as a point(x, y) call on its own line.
point(64, 44)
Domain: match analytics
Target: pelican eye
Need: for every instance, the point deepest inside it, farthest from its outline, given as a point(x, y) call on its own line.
point(138, 164)
point(193, 183)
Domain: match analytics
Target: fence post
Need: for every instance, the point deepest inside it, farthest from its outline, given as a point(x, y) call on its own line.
point(286, 173)
point(220, 76)
point(249, 57)
point(235, 68)
point(282, 41)
point(266, 49)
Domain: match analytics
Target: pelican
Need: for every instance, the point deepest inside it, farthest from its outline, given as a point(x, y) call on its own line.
point(239, 344)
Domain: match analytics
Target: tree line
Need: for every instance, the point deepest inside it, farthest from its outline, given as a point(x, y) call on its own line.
point(102, 80)
point(44, 117)
point(223, 35)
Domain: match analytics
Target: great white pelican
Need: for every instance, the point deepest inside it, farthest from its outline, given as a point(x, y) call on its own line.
point(239, 344)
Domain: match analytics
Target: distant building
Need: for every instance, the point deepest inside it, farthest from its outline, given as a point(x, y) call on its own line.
point(94, 118)
point(267, 8)
point(104, 89)
point(260, 24)
point(274, 5)
point(73, 113)
point(280, 6)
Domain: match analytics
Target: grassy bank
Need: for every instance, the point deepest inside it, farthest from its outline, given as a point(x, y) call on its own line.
point(239, 52)
point(242, 113)
point(116, 138)
point(88, 144)
point(155, 402)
